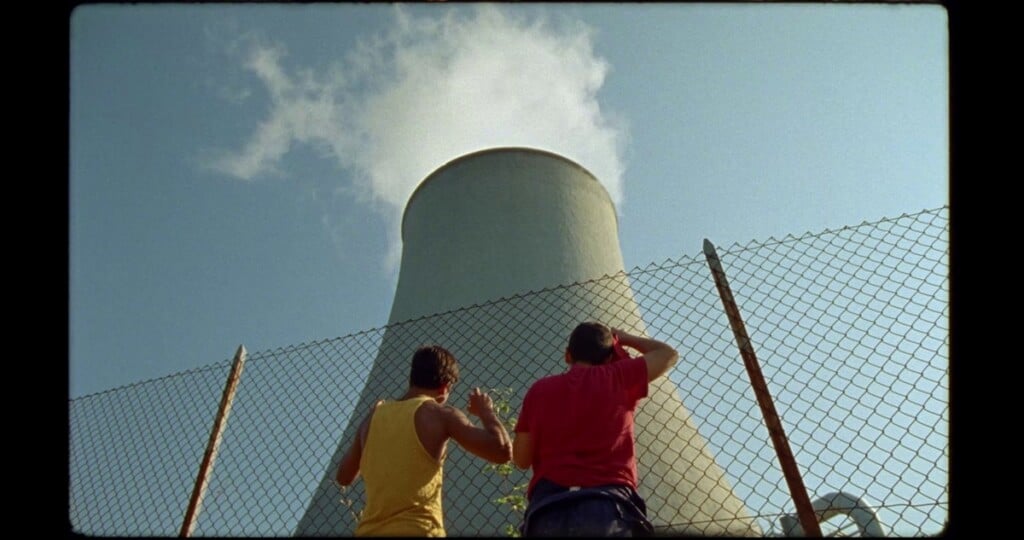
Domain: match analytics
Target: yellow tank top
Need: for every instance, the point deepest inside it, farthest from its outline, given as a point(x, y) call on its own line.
point(402, 481)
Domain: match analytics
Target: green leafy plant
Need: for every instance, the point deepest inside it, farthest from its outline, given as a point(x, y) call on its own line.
point(514, 497)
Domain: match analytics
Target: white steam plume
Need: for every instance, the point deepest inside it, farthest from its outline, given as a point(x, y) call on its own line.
point(432, 89)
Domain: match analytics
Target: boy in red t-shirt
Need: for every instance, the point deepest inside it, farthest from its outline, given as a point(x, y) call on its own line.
point(576, 431)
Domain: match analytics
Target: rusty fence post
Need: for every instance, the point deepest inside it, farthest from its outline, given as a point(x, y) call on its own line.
point(804, 510)
point(202, 479)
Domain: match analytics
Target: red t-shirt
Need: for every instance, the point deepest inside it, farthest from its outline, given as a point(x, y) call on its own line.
point(581, 424)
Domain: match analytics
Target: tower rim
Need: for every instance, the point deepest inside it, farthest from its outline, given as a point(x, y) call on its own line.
point(504, 149)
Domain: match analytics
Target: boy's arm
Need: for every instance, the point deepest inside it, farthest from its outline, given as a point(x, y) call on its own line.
point(489, 442)
point(348, 469)
point(522, 450)
point(522, 445)
point(660, 357)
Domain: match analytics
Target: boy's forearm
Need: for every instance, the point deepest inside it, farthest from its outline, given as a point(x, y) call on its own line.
point(493, 425)
point(640, 343)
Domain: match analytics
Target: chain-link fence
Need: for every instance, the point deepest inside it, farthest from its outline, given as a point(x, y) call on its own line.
point(850, 327)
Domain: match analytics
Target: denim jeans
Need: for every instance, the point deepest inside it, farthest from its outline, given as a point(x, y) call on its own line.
point(591, 516)
point(612, 511)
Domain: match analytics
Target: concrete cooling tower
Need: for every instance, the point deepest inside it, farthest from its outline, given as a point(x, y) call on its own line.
point(481, 231)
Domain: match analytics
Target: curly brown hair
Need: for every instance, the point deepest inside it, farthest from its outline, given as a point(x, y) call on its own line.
point(432, 367)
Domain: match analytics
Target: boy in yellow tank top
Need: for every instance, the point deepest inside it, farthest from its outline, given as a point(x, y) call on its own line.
point(401, 446)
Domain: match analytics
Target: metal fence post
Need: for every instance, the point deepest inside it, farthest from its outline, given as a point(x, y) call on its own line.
point(771, 418)
point(202, 479)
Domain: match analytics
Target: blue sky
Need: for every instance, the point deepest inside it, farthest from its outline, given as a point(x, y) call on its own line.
point(237, 171)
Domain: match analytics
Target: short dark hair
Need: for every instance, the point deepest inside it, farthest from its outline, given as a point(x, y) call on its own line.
point(590, 342)
point(432, 367)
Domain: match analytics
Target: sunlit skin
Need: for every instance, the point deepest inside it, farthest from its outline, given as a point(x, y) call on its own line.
point(436, 423)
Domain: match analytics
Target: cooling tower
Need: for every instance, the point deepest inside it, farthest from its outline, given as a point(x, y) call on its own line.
point(493, 225)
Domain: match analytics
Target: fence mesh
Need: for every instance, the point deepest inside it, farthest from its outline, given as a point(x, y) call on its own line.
point(850, 327)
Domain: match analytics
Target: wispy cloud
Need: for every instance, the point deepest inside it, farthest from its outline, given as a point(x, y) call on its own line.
point(429, 90)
